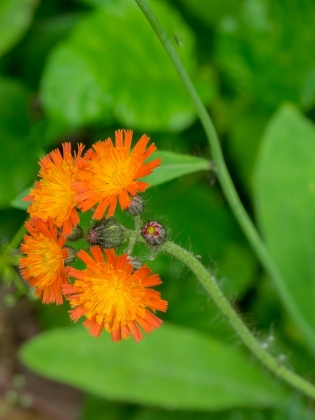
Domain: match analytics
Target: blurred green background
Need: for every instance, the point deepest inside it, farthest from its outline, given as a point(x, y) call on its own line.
point(77, 70)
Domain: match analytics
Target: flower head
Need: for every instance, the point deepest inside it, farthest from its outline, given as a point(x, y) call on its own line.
point(53, 195)
point(43, 267)
point(112, 173)
point(111, 295)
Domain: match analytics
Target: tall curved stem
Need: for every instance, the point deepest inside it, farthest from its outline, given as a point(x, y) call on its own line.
point(234, 320)
point(226, 181)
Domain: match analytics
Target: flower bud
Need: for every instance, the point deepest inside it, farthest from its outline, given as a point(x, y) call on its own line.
point(135, 262)
point(72, 255)
point(154, 233)
point(136, 206)
point(107, 233)
point(76, 233)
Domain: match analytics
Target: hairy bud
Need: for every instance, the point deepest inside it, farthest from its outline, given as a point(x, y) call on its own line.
point(76, 233)
point(72, 255)
point(136, 206)
point(135, 262)
point(107, 233)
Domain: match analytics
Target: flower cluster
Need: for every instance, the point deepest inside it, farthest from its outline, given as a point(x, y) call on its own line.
point(113, 292)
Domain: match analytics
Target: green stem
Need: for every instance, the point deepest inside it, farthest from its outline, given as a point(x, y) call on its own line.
point(134, 237)
point(237, 324)
point(226, 181)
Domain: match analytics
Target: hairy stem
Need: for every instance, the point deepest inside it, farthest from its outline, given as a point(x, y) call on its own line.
point(234, 320)
point(135, 236)
point(226, 181)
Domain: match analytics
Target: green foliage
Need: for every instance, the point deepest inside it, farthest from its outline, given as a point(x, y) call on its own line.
point(87, 67)
point(172, 368)
point(17, 159)
point(285, 197)
point(265, 56)
point(85, 78)
point(175, 165)
point(15, 18)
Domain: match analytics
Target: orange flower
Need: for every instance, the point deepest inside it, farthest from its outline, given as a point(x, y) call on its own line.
point(112, 173)
point(113, 296)
point(43, 265)
point(53, 195)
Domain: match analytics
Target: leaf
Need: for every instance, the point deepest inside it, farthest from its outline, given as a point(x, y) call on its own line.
point(285, 203)
point(15, 18)
point(113, 65)
point(214, 12)
point(18, 160)
point(266, 31)
point(172, 368)
point(175, 165)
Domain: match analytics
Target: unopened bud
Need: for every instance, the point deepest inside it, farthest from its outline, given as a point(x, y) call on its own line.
point(76, 233)
point(136, 206)
point(72, 255)
point(107, 233)
point(135, 262)
point(154, 233)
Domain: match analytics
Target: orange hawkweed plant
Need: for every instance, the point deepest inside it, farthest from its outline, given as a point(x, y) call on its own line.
point(112, 174)
point(43, 266)
point(53, 195)
point(115, 291)
point(113, 296)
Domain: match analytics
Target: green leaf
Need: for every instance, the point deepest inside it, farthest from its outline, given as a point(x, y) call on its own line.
point(113, 65)
point(172, 368)
point(214, 11)
point(18, 159)
point(285, 202)
point(265, 31)
point(175, 165)
point(15, 18)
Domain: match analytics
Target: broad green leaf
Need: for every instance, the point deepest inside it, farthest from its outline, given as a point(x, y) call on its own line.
point(211, 12)
point(285, 202)
point(95, 407)
point(264, 32)
point(15, 18)
point(172, 368)
point(175, 165)
point(112, 65)
point(18, 160)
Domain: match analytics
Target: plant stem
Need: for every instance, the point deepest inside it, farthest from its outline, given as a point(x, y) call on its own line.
point(237, 324)
point(226, 181)
point(135, 235)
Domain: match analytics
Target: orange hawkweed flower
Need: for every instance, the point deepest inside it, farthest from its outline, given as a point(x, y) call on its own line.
point(43, 267)
point(113, 296)
point(112, 173)
point(53, 195)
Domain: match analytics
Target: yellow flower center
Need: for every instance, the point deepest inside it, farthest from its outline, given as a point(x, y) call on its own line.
point(113, 172)
point(113, 297)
